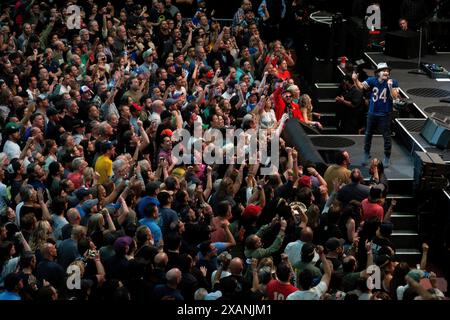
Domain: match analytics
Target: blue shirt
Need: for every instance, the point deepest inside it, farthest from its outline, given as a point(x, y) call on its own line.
point(380, 96)
point(154, 228)
point(10, 296)
point(167, 217)
point(145, 201)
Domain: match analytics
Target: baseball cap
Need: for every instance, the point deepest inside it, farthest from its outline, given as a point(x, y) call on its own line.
point(136, 107)
point(12, 127)
point(122, 242)
point(304, 181)
point(247, 117)
point(169, 102)
point(177, 95)
point(382, 66)
point(167, 132)
point(334, 243)
point(107, 146)
point(89, 204)
point(81, 193)
point(78, 123)
point(41, 97)
point(147, 53)
point(52, 111)
point(85, 89)
point(251, 211)
point(178, 172)
point(416, 274)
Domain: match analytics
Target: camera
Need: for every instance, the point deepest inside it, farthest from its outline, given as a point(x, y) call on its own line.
point(91, 253)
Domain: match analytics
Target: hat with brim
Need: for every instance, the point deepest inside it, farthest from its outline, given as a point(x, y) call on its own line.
point(298, 207)
point(52, 112)
point(12, 127)
point(147, 53)
point(89, 204)
point(382, 66)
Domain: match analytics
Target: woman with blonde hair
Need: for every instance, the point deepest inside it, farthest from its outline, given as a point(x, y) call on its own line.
point(40, 234)
point(265, 113)
point(306, 108)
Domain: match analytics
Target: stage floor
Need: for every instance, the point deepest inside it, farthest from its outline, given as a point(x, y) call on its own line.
point(401, 160)
point(409, 81)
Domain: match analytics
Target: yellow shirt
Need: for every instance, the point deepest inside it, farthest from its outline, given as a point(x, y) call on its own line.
point(336, 172)
point(103, 166)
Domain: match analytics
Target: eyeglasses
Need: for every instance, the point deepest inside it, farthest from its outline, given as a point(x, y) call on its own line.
point(287, 97)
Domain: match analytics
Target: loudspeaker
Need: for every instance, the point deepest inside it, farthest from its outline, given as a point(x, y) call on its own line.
point(402, 44)
point(295, 136)
point(429, 129)
point(436, 132)
point(430, 171)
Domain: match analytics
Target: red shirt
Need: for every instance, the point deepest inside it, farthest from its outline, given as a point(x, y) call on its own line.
point(77, 179)
point(279, 291)
point(284, 74)
point(280, 106)
point(371, 210)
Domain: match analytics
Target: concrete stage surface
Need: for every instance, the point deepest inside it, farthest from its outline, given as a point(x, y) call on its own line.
point(401, 160)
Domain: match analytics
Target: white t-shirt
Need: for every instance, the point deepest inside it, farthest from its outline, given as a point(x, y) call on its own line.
point(155, 117)
point(267, 119)
point(315, 293)
point(294, 250)
point(12, 150)
point(224, 274)
point(3, 195)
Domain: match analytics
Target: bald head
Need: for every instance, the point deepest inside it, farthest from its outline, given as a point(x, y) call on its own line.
point(236, 266)
point(306, 235)
point(48, 251)
point(158, 106)
point(161, 260)
point(73, 216)
point(173, 276)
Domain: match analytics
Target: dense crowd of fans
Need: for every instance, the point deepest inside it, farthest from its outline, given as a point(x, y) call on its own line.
point(89, 187)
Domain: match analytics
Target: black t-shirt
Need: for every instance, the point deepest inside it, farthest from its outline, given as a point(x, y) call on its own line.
point(30, 210)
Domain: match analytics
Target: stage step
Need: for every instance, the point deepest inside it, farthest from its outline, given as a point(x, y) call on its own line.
point(328, 119)
point(326, 105)
point(405, 239)
point(329, 130)
point(404, 221)
point(405, 203)
point(411, 256)
point(401, 186)
point(326, 90)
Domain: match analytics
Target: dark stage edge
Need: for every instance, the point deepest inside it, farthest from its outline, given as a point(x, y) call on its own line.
point(401, 168)
point(409, 81)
